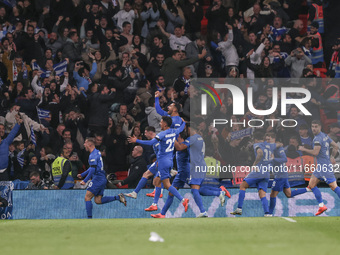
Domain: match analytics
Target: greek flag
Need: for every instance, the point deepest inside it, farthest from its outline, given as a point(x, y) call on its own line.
point(59, 69)
point(20, 157)
point(42, 114)
point(33, 139)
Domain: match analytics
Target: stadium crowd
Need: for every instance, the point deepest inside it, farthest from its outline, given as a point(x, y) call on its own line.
point(80, 68)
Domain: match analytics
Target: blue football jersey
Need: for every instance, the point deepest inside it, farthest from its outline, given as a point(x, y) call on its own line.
point(324, 141)
point(176, 120)
point(306, 141)
point(183, 160)
point(279, 163)
point(268, 150)
point(96, 161)
point(166, 140)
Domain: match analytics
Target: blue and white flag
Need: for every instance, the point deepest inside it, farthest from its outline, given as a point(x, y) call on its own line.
point(59, 69)
point(240, 134)
point(21, 157)
point(33, 139)
point(42, 114)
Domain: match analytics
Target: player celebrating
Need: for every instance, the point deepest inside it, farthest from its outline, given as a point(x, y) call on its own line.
point(97, 174)
point(324, 167)
point(260, 175)
point(150, 133)
point(166, 140)
point(280, 182)
point(173, 110)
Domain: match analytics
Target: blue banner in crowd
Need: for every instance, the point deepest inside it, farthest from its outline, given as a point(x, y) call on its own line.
point(69, 204)
point(59, 69)
point(6, 189)
point(241, 133)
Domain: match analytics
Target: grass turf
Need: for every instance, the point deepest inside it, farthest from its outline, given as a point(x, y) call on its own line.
point(309, 235)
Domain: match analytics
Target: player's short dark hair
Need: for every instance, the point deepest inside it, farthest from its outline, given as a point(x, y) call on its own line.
point(258, 135)
point(167, 120)
point(150, 129)
point(271, 134)
point(303, 127)
point(318, 122)
point(294, 137)
point(177, 106)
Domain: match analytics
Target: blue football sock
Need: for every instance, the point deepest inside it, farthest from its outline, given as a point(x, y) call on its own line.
point(109, 199)
point(157, 194)
point(88, 205)
point(317, 194)
point(241, 195)
point(167, 204)
point(207, 191)
point(162, 186)
point(141, 184)
point(264, 202)
point(198, 199)
point(175, 192)
point(298, 192)
point(337, 191)
point(272, 205)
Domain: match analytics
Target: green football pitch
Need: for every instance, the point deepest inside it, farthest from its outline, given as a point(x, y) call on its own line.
point(308, 235)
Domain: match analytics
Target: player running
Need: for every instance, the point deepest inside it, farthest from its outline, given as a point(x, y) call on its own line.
point(97, 174)
point(260, 173)
point(280, 182)
point(166, 139)
point(324, 167)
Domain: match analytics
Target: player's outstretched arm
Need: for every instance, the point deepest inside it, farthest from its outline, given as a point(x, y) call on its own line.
point(149, 142)
point(313, 152)
point(259, 156)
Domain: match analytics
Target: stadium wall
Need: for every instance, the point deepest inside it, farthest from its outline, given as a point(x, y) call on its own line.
point(69, 204)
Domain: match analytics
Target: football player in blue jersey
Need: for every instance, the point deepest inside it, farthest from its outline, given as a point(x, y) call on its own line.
point(259, 176)
point(323, 171)
point(172, 112)
point(150, 133)
point(97, 174)
point(183, 167)
point(166, 139)
point(280, 182)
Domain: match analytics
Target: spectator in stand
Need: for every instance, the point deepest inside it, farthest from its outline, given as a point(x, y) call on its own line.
point(173, 65)
point(217, 16)
point(36, 182)
point(193, 13)
point(297, 61)
point(72, 49)
point(177, 41)
point(127, 14)
point(137, 168)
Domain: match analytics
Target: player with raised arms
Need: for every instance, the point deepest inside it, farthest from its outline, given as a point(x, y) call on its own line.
point(166, 139)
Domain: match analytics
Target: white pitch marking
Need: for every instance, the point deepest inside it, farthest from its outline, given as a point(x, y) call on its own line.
point(288, 219)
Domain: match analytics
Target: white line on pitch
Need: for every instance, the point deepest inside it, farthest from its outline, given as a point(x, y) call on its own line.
point(288, 219)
